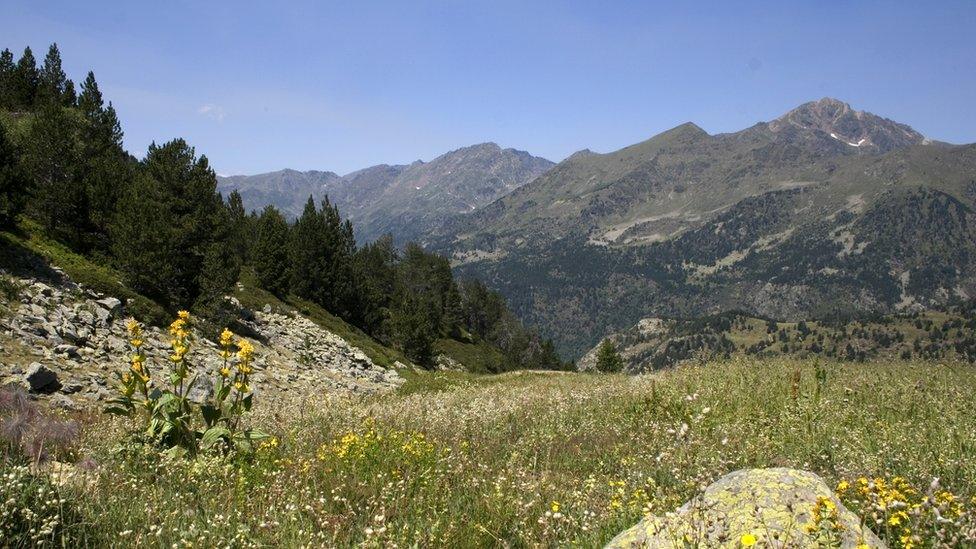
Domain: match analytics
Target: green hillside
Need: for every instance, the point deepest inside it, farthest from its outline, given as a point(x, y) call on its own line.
point(785, 219)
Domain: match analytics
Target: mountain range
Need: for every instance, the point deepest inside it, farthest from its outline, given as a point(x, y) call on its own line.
point(406, 201)
point(825, 211)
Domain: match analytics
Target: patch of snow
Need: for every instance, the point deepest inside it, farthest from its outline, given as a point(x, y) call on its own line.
point(858, 144)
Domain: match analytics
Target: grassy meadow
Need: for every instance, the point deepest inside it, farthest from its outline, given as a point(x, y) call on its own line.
point(517, 460)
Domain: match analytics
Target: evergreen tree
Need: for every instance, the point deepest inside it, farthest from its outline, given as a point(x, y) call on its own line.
point(52, 81)
point(270, 252)
point(167, 225)
point(106, 172)
point(70, 97)
point(221, 265)
point(25, 81)
point(239, 225)
point(414, 328)
point(7, 74)
point(305, 260)
point(608, 359)
point(339, 288)
point(321, 251)
point(90, 101)
point(375, 271)
point(13, 181)
point(53, 158)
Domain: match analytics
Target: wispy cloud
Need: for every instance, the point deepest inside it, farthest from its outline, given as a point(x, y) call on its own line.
point(214, 112)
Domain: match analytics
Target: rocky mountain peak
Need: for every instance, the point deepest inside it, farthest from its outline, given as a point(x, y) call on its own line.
point(834, 119)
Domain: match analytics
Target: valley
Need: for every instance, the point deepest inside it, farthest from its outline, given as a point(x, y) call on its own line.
point(762, 337)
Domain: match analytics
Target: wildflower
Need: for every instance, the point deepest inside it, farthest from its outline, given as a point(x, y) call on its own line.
point(244, 351)
point(555, 506)
point(748, 540)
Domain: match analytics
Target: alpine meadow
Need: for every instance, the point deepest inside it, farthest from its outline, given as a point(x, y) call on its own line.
point(283, 329)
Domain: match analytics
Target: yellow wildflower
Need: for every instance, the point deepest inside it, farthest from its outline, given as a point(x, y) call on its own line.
point(748, 540)
point(244, 350)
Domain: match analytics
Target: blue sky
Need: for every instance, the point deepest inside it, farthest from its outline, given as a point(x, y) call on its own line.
point(341, 86)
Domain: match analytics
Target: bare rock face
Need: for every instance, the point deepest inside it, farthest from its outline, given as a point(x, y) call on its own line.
point(770, 507)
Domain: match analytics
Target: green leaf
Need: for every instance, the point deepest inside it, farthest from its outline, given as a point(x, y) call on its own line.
point(175, 452)
point(256, 434)
point(117, 410)
point(211, 414)
point(213, 435)
point(248, 401)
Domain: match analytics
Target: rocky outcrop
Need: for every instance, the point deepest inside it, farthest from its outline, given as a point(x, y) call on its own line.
point(60, 339)
point(767, 507)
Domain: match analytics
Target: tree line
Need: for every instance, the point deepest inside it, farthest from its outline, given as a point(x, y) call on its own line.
point(161, 222)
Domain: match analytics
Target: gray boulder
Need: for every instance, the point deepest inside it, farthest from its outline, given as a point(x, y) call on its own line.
point(41, 379)
point(111, 304)
point(201, 390)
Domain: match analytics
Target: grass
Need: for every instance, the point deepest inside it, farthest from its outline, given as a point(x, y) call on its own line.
point(459, 460)
point(478, 357)
point(28, 244)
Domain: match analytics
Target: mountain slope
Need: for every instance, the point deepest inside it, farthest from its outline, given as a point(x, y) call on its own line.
point(406, 201)
point(823, 211)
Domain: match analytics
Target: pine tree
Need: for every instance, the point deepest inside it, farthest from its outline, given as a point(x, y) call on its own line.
point(53, 158)
point(239, 226)
point(339, 291)
point(52, 81)
point(25, 81)
point(608, 360)
point(7, 75)
point(167, 225)
point(414, 328)
point(270, 255)
point(70, 97)
point(221, 265)
point(106, 172)
point(13, 181)
point(375, 271)
point(305, 259)
point(90, 101)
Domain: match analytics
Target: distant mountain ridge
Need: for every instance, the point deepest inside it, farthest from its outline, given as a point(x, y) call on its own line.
point(824, 210)
point(408, 201)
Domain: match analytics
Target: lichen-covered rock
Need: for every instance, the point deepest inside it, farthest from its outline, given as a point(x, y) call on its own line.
point(775, 507)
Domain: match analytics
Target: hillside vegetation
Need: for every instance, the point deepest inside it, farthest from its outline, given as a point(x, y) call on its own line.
point(824, 211)
point(535, 459)
point(157, 233)
point(655, 343)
